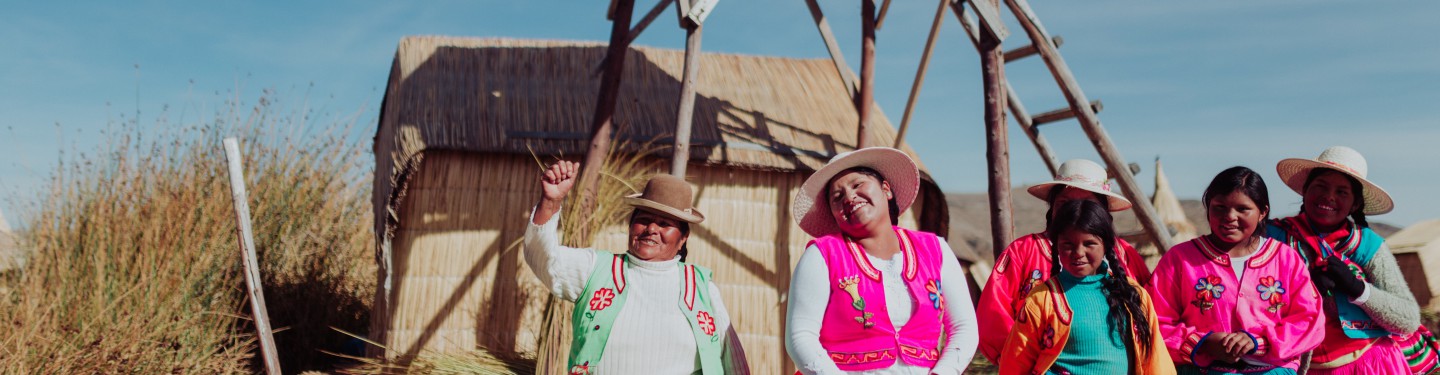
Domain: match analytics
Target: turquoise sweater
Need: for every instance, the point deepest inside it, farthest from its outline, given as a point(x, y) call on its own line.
point(1095, 345)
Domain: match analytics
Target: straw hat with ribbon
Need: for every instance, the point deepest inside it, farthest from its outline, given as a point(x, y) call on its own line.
point(667, 196)
point(1341, 159)
point(812, 213)
point(1084, 175)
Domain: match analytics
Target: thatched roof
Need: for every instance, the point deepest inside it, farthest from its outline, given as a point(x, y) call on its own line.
point(1422, 237)
point(499, 95)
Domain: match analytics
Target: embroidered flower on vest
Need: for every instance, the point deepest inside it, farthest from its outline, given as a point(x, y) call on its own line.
point(601, 299)
point(707, 324)
point(1271, 290)
point(580, 369)
point(1047, 338)
point(1207, 290)
point(1029, 284)
point(933, 286)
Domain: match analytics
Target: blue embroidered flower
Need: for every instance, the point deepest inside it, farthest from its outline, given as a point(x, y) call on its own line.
point(1207, 290)
point(1271, 290)
point(935, 297)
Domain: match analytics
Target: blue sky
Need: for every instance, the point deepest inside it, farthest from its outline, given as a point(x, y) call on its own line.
point(1203, 85)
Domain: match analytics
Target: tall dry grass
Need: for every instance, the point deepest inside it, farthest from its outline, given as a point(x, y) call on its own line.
point(135, 264)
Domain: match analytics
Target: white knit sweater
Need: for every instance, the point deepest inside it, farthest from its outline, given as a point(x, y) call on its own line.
point(651, 335)
point(810, 294)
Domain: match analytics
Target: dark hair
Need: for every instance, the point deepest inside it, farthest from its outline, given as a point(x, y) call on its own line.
point(894, 207)
point(684, 233)
point(1245, 181)
point(1356, 189)
point(1060, 188)
point(1124, 298)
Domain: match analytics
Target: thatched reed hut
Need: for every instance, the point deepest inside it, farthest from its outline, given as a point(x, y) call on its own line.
point(455, 179)
point(1417, 250)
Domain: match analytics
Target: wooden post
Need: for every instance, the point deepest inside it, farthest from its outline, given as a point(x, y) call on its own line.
point(686, 114)
point(1012, 100)
point(866, 99)
point(920, 72)
point(649, 17)
point(1144, 211)
point(251, 266)
point(603, 121)
point(833, 48)
point(997, 141)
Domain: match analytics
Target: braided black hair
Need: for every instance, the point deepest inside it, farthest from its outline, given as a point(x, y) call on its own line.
point(1124, 298)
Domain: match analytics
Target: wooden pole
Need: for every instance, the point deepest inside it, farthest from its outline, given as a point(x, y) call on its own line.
point(997, 141)
point(649, 17)
point(251, 266)
point(1144, 211)
point(833, 48)
point(920, 72)
point(1012, 100)
point(867, 72)
point(603, 120)
point(686, 114)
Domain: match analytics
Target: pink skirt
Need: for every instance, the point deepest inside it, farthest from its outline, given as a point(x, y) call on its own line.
point(1382, 358)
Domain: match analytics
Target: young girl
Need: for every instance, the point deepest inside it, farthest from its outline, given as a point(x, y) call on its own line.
point(868, 296)
point(1026, 262)
point(1366, 298)
point(1092, 318)
point(1233, 301)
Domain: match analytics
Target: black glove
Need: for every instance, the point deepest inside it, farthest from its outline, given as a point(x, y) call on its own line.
point(1322, 280)
point(1343, 280)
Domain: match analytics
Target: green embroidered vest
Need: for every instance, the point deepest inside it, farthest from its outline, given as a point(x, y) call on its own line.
point(604, 296)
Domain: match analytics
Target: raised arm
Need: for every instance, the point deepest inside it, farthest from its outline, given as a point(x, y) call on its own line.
point(562, 269)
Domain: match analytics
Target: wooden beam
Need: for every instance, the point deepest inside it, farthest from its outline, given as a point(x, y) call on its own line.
point(997, 139)
point(1013, 101)
point(833, 47)
point(649, 17)
point(603, 119)
point(990, 21)
point(1064, 113)
point(249, 261)
point(867, 72)
point(686, 114)
point(880, 19)
point(920, 72)
point(1144, 211)
point(1029, 50)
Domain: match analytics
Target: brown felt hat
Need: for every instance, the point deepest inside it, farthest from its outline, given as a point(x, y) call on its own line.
point(667, 196)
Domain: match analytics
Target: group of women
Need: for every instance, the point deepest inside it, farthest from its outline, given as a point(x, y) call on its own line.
point(1317, 291)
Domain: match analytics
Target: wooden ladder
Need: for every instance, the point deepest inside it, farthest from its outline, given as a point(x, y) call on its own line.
point(1080, 107)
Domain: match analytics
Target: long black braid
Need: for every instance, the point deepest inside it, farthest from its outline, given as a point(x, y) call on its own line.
point(1124, 298)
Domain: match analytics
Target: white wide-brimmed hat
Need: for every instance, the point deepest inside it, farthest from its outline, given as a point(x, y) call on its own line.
point(812, 213)
point(1084, 175)
point(1341, 159)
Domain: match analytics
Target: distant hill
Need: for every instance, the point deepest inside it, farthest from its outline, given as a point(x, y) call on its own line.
point(970, 219)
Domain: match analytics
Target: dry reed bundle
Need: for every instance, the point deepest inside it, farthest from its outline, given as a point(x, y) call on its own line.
point(134, 265)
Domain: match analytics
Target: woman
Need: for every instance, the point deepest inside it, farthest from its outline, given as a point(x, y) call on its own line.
point(644, 311)
point(1233, 301)
point(1091, 318)
point(869, 297)
point(1366, 298)
point(1026, 262)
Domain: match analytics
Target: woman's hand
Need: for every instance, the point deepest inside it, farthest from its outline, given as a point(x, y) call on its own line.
point(555, 184)
point(557, 181)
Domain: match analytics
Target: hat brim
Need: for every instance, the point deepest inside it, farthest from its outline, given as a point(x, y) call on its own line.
point(692, 216)
point(811, 212)
point(1116, 202)
point(1293, 172)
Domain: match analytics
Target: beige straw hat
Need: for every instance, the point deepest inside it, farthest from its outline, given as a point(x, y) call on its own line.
point(1341, 159)
point(666, 195)
point(812, 213)
point(1085, 175)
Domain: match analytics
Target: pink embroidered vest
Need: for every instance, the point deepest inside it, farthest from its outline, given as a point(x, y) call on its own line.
point(857, 331)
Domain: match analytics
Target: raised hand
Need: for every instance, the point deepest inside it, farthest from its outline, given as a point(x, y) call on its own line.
point(557, 181)
point(555, 184)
